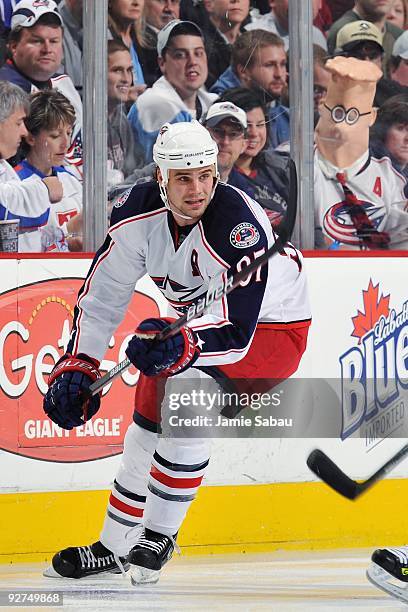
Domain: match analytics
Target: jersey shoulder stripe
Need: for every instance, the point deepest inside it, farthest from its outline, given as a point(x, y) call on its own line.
point(25, 170)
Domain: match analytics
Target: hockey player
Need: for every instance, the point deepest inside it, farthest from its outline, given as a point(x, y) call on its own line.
point(186, 231)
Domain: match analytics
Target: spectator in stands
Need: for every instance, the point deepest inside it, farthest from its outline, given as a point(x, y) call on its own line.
point(398, 66)
point(324, 18)
point(263, 174)
point(389, 134)
point(369, 10)
point(226, 20)
point(277, 21)
point(355, 193)
point(156, 14)
point(339, 7)
point(227, 125)
point(228, 129)
point(35, 56)
point(191, 10)
point(124, 25)
point(179, 94)
point(49, 128)
point(321, 76)
point(259, 63)
point(363, 40)
point(398, 15)
point(123, 154)
point(6, 10)
point(4, 32)
point(19, 199)
point(71, 14)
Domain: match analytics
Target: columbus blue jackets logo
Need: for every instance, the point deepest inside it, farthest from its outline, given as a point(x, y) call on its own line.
point(338, 225)
point(122, 198)
point(244, 235)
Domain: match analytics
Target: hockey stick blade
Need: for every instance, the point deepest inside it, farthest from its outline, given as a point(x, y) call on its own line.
point(225, 286)
point(321, 465)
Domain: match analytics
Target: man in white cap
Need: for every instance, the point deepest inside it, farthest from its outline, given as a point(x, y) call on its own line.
point(35, 48)
point(179, 94)
point(398, 66)
point(227, 124)
point(185, 231)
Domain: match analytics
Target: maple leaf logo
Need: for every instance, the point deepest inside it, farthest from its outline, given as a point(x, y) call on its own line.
point(374, 307)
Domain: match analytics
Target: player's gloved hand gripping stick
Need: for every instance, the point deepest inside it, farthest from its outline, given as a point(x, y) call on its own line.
point(224, 287)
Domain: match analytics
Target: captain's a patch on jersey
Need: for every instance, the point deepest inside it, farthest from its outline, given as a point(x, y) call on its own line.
point(244, 235)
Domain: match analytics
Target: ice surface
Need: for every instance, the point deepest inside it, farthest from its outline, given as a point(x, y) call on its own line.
point(279, 581)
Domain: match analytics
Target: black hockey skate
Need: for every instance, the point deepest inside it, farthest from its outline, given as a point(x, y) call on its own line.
point(82, 561)
point(147, 558)
point(389, 571)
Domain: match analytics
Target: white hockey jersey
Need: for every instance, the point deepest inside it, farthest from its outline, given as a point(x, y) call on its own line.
point(184, 263)
point(380, 189)
point(19, 200)
point(52, 226)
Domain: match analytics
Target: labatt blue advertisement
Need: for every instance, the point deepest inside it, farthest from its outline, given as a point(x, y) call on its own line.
point(374, 373)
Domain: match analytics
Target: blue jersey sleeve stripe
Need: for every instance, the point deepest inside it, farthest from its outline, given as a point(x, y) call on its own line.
point(25, 222)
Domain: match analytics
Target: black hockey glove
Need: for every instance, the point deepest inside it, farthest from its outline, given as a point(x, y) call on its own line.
point(64, 402)
point(165, 357)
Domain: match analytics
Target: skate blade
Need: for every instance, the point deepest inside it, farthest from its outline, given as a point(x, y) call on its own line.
point(143, 575)
point(387, 583)
point(50, 572)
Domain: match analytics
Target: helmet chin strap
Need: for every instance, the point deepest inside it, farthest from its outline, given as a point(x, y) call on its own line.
point(186, 217)
point(164, 197)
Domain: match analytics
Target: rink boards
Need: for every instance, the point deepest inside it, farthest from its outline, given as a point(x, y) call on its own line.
point(258, 493)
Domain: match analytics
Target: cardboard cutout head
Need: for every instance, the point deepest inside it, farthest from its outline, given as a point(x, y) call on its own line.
point(347, 112)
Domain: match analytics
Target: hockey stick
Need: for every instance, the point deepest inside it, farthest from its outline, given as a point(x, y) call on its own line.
point(224, 287)
point(332, 475)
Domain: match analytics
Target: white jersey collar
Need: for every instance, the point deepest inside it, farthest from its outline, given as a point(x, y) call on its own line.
point(330, 170)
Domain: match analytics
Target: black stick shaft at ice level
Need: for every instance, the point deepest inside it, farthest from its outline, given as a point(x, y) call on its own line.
point(224, 286)
point(321, 465)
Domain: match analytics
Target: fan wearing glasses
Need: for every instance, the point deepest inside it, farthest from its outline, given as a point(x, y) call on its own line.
point(263, 174)
point(357, 197)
